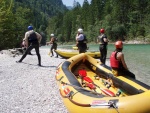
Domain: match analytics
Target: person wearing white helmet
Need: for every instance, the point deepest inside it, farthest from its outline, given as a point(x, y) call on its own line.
point(52, 35)
point(80, 30)
point(53, 41)
point(32, 40)
point(81, 41)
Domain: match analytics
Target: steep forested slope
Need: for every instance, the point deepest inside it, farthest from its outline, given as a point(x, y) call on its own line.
point(49, 7)
point(16, 15)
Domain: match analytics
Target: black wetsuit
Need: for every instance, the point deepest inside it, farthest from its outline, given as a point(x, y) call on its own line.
point(82, 45)
point(124, 72)
point(32, 39)
point(54, 46)
point(103, 48)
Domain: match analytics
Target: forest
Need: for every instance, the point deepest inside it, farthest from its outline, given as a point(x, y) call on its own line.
point(122, 19)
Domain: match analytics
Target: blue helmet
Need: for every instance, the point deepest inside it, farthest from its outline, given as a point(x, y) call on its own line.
point(30, 27)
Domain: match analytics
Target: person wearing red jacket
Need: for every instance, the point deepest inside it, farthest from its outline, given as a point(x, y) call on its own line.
point(117, 62)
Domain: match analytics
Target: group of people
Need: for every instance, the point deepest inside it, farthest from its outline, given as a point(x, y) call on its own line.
point(117, 61)
point(32, 40)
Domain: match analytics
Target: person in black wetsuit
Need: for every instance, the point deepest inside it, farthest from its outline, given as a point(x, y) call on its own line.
point(33, 38)
point(103, 41)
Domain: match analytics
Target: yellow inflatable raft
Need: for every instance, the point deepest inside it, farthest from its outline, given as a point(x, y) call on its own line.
point(75, 48)
point(68, 54)
point(87, 86)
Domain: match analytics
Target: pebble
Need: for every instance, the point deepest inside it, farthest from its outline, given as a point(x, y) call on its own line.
point(28, 88)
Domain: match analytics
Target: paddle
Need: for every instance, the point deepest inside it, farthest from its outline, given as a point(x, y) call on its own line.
point(80, 88)
point(106, 91)
point(83, 75)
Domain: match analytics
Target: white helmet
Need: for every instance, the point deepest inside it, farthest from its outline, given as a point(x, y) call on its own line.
point(52, 35)
point(80, 30)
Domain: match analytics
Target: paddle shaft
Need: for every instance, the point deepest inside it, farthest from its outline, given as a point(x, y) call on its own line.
point(106, 91)
point(80, 88)
point(90, 81)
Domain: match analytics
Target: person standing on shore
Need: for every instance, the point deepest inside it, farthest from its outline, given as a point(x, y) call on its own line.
point(81, 41)
point(103, 41)
point(117, 62)
point(33, 38)
point(53, 42)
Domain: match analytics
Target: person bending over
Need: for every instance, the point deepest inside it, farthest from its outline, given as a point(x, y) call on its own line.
point(53, 42)
point(33, 38)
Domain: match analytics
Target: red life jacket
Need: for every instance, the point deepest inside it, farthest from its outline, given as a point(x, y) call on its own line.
point(114, 63)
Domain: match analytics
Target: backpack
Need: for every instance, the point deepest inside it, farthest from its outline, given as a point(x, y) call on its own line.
point(32, 38)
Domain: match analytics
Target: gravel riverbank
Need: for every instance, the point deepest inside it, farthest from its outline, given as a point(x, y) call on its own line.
point(28, 88)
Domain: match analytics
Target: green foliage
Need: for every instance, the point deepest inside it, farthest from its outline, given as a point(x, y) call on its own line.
point(16, 15)
point(121, 19)
point(140, 38)
point(147, 38)
point(7, 35)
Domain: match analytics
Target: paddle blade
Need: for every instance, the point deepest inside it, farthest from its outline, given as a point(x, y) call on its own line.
point(82, 73)
point(87, 79)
